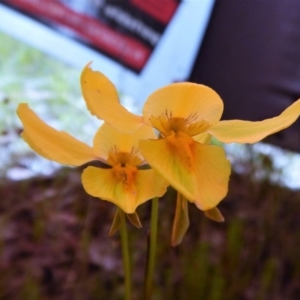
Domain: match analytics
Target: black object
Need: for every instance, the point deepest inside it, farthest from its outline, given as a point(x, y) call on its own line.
point(251, 56)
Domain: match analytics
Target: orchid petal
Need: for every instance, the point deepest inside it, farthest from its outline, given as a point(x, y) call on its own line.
point(108, 138)
point(54, 145)
point(237, 131)
point(102, 101)
point(201, 178)
point(103, 184)
point(203, 138)
point(185, 100)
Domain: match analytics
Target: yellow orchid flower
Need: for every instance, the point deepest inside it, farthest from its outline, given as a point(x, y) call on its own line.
point(186, 115)
point(121, 183)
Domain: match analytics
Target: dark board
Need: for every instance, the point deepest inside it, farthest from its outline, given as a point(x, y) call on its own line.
point(251, 56)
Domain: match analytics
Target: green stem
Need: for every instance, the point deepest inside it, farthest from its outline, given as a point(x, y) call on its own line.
point(126, 256)
point(151, 250)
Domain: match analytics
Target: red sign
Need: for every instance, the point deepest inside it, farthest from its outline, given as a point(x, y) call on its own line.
point(125, 31)
point(162, 10)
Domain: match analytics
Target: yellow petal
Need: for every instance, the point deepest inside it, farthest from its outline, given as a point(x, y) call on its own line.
point(203, 138)
point(237, 131)
point(108, 138)
point(150, 185)
point(186, 100)
point(50, 143)
point(102, 183)
point(181, 221)
point(214, 214)
point(102, 101)
point(202, 178)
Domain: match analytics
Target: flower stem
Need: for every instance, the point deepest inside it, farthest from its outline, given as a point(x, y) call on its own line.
point(151, 250)
point(126, 256)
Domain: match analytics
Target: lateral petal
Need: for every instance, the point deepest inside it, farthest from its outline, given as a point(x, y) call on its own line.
point(102, 101)
point(102, 183)
point(237, 131)
point(54, 145)
point(203, 138)
point(191, 101)
point(149, 185)
point(205, 183)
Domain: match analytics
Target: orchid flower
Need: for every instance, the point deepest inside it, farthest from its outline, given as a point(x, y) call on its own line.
point(186, 115)
point(122, 182)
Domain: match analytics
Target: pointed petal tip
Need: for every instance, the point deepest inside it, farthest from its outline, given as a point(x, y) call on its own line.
point(214, 214)
point(87, 66)
point(181, 221)
point(134, 220)
point(175, 243)
point(112, 232)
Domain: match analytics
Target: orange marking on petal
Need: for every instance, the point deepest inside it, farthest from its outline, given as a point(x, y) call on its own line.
point(116, 158)
point(160, 123)
point(126, 174)
point(198, 128)
point(182, 146)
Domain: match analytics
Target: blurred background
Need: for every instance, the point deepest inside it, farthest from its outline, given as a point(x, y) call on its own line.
point(54, 240)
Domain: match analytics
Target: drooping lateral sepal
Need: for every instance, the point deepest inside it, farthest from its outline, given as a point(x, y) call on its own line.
point(134, 220)
point(214, 214)
point(116, 222)
point(181, 221)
